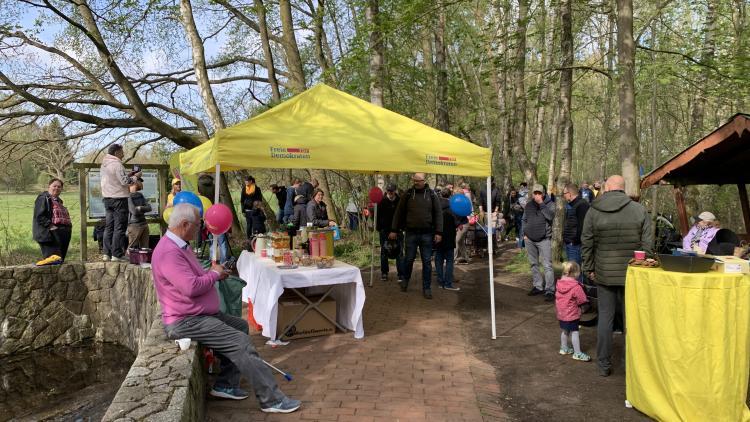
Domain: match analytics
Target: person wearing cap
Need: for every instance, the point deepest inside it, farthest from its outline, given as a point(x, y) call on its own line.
point(176, 188)
point(538, 216)
point(420, 216)
point(386, 209)
point(115, 194)
point(614, 227)
point(702, 233)
point(137, 226)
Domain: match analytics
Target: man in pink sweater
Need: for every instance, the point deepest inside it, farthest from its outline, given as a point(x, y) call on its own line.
point(190, 309)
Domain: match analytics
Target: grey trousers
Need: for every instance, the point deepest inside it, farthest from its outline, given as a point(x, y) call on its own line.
point(536, 251)
point(609, 297)
point(227, 336)
point(462, 253)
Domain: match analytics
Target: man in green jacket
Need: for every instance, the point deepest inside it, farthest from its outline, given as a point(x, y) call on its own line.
point(614, 227)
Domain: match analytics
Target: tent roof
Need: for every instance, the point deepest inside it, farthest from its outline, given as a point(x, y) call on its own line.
point(324, 128)
point(720, 158)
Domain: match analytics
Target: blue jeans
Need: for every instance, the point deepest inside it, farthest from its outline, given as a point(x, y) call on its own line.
point(573, 253)
point(519, 230)
point(353, 220)
point(444, 266)
point(223, 247)
point(384, 267)
point(424, 242)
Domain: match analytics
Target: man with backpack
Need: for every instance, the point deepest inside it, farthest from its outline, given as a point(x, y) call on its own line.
point(419, 214)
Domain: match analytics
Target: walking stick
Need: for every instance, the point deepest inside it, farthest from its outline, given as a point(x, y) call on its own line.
point(288, 377)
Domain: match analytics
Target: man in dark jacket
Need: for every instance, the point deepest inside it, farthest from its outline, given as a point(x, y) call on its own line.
point(386, 211)
point(537, 234)
point(419, 214)
point(291, 194)
point(614, 227)
point(280, 192)
point(138, 206)
point(445, 249)
point(575, 211)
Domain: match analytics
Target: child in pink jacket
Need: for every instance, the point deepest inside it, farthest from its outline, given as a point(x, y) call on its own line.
point(569, 295)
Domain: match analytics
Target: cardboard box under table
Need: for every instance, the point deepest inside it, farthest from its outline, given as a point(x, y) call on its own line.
point(687, 344)
point(296, 319)
point(266, 283)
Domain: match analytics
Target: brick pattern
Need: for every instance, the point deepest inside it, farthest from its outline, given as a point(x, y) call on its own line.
point(414, 364)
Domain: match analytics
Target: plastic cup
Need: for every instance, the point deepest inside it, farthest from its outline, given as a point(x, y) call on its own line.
point(639, 255)
point(183, 343)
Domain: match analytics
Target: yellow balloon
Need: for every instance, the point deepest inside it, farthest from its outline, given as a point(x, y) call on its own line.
point(167, 212)
point(206, 203)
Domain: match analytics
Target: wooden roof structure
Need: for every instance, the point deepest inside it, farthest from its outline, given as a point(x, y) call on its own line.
point(720, 158)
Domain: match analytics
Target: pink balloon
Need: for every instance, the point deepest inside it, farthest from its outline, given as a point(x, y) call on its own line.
point(218, 219)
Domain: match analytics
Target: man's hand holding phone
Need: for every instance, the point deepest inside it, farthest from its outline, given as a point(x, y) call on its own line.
point(219, 269)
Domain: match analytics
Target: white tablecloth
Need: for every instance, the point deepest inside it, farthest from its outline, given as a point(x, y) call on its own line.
point(266, 283)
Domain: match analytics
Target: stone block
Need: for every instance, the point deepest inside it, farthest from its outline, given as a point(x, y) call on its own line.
point(59, 323)
point(7, 283)
point(20, 293)
point(6, 272)
point(58, 291)
point(73, 306)
point(131, 394)
point(36, 281)
point(146, 410)
point(76, 291)
point(13, 327)
point(5, 295)
point(166, 416)
point(178, 398)
point(112, 268)
point(134, 382)
point(67, 273)
point(158, 397)
point(158, 373)
point(21, 274)
point(138, 371)
point(119, 409)
point(36, 326)
point(9, 346)
point(161, 381)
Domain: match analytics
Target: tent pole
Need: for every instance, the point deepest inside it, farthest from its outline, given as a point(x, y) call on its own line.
point(372, 242)
point(217, 178)
point(490, 244)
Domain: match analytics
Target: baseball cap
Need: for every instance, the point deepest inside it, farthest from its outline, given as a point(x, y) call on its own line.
point(706, 216)
point(538, 188)
point(391, 188)
point(176, 181)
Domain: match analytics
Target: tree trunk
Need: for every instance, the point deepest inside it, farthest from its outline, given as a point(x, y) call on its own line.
point(260, 10)
point(327, 70)
point(707, 56)
point(542, 83)
point(629, 148)
point(199, 63)
point(323, 181)
point(501, 156)
point(442, 72)
point(607, 109)
point(293, 60)
point(566, 123)
point(429, 70)
point(377, 52)
point(519, 132)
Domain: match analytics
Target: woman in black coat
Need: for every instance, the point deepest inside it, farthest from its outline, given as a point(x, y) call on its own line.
point(51, 226)
point(248, 196)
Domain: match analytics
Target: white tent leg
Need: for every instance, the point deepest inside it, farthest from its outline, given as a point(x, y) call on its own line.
point(216, 201)
point(372, 242)
point(490, 244)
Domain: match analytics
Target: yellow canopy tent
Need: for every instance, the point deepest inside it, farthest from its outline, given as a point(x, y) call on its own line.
point(324, 128)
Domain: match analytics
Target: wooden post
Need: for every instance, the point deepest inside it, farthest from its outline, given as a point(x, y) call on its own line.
point(745, 208)
point(163, 177)
point(84, 218)
point(679, 198)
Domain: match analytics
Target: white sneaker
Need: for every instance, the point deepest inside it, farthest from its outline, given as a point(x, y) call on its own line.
point(116, 259)
point(105, 258)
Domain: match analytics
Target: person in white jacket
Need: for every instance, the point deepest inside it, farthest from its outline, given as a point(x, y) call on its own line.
point(115, 193)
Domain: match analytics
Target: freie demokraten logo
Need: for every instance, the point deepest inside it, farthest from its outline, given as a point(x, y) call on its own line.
point(441, 160)
point(293, 153)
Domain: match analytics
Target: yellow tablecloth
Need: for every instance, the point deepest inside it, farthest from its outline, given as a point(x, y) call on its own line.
point(687, 344)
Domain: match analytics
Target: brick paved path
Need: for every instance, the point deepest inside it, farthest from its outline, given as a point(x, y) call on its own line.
point(414, 364)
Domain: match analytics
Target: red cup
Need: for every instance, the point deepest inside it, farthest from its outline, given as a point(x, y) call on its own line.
point(639, 255)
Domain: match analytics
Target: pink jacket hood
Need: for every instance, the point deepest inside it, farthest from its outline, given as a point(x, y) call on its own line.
point(569, 295)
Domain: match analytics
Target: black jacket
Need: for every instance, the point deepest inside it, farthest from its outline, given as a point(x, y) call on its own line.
point(281, 197)
point(450, 222)
point(306, 189)
point(386, 211)
point(42, 218)
point(418, 211)
point(258, 220)
point(247, 200)
point(138, 207)
point(299, 215)
point(575, 212)
point(317, 214)
point(537, 219)
point(496, 198)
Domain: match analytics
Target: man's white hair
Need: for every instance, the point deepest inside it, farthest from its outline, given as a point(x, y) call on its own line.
point(182, 212)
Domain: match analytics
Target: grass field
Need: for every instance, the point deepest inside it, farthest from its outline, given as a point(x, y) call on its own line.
point(17, 247)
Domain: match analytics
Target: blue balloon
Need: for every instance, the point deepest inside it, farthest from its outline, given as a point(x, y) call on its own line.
point(460, 205)
point(186, 197)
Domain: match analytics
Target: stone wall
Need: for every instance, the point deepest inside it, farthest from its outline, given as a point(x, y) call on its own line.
point(107, 302)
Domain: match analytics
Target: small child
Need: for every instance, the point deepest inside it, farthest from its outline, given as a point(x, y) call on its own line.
point(258, 219)
point(137, 227)
point(569, 296)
